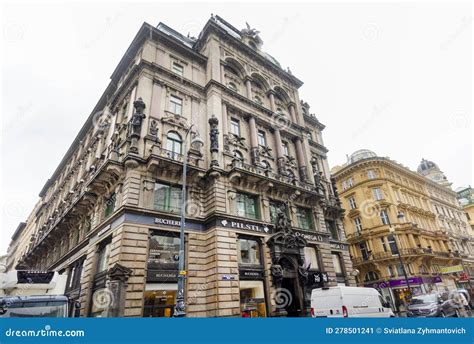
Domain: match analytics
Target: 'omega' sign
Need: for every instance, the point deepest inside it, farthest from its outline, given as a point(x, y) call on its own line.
point(338, 246)
point(310, 237)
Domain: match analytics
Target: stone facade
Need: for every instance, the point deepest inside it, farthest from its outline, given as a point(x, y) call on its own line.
point(391, 209)
point(109, 215)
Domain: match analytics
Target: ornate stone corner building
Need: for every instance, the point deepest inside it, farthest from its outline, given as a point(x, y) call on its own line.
point(263, 220)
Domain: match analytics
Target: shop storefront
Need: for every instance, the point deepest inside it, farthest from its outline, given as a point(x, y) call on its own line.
point(251, 278)
point(162, 275)
point(398, 293)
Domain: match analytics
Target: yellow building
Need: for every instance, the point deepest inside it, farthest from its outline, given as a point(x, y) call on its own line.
point(466, 200)
point(403, 227)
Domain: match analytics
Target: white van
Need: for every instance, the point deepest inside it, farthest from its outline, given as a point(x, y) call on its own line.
point(353, 302)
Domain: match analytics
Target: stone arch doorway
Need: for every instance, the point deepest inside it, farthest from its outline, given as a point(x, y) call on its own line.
point(289, 299)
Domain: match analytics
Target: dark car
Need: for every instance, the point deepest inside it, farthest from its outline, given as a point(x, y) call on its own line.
point(431, 305)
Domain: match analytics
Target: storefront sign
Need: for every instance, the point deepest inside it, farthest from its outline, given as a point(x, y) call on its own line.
point(319, 278)
point(162, 275)
point(167, 222)
point(403, 282)
point(339, 246)
point(251, 274)
point(451, 269)
point(228, 277)
point(311, 236)
point(247, 226)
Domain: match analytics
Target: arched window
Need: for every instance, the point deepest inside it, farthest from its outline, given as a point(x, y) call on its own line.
point(174, 143)
point(232, 86)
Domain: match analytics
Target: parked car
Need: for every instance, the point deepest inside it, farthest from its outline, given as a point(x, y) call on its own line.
point(341, 301)
point(431, 305)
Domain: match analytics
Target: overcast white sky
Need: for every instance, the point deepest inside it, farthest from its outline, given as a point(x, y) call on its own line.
point(394, 78)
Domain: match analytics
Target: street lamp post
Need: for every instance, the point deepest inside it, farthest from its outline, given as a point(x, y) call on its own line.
point(400, 216)
point(180, 307)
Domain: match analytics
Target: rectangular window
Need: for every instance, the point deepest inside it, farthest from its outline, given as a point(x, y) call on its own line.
point(332, 227)
point(384, 245)
point(358, 224)
point(247, 206)
point(371, 174)
point(392, 244)
point(344, 185)
point(274, 206)
point(390, 270)
point(286, 150)
point(384, 217)
point(177, 68)
point(109, 205)
point(311, 258)
point(176, 105)
point(167, 198)
point(352, 203)
point(249, 252)
point(163, 252)
point(235, 127)
point(103, 257)
point(261, 138)
point(303, 216)
point(364, 250)
point(336, 260)
point(349, 182)
point(377, 194)
point(397, 195)
point(400, 271)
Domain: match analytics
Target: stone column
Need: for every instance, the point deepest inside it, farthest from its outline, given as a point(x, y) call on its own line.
point(301, 160)
point(225, 128)
point(279, 150)
point(291, 107)
point(248, 85)
point(253, 140)
point(222, 74)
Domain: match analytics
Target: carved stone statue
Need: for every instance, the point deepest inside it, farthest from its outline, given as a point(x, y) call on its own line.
point(249, 31)
point(214, 138)
point(136, 123)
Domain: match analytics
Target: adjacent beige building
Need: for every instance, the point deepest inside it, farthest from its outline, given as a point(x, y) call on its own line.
point(391, 210)
point(109, 215)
